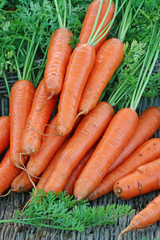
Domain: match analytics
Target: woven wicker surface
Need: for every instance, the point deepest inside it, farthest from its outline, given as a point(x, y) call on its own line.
point(17, 201)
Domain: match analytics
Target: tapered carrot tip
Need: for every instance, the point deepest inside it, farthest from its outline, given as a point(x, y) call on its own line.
point(127, 229)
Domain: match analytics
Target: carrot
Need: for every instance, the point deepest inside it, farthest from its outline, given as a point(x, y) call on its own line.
point(47, 172)
point(85, 136)
point(145, 218)
point(7, 172)
point(147, 152)
point(90, 18)
point(22, 183)
point(116, 136)
point(37, 163)
point(4, 132)
point(143, 180)
point(37, 120)
point(78, 70)
point(76, 172)
point(108, 59)
point(22, 94)
point(148, 124)
point(119, 131)
point(58, 56)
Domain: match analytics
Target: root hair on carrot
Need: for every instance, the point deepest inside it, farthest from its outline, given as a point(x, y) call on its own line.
point(52, 94)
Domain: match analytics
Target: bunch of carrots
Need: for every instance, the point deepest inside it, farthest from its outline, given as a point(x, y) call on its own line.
point(85, 149)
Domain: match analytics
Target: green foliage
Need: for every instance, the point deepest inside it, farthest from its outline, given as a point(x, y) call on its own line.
point(66, 213)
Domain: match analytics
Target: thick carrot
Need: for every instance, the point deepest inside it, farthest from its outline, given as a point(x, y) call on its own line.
point(148, 124)
point(8, 172)
point(145, 218)
point(22, 183)
point(147, 152)
point(76, 172)
point(4, 133)
point(108, 59)
point(37, 163)
point(21, 98)
point(118, 133)
point(90, 18)
point(85, 136)
point(58, 56)
point(78, 70)
point(47, 172)
point(144, 179)
point(37, 120)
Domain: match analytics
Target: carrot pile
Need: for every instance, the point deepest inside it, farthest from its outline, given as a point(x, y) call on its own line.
point(87, 156)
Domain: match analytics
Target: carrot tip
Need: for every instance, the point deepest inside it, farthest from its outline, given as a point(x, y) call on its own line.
point(127, 229)
point(11, 190)
point(81, 113)
point(52, 93)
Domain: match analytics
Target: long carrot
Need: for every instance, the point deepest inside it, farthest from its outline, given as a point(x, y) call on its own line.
point(78, 70)
point(148, 124)
point(47, 172)
point(37, 120)
point(22, 94)
point(58, 56)
point(145, 218)
point(143, 180)
point(22, 183)
point(76, 172)
point(90, 18)
point(4, 132)
point(85, 136)
point(119, 131)
point(108, 59)
point(147, 152)
point(8, 172)
point(51, 143)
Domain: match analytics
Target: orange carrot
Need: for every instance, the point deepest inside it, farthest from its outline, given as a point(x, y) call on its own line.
point(4, 133)
point(118, 133)
point(78, 70)
point(145, 218)
point(57, 60)
point(89, 20)
point(148, 124)
point(47, 172)
point(76, 172)
point(37, 163)
point(108, 59)
point(22, 183)
point(8, 172)
point(37, 120)
point(144, 179)
point(21, 98)
point(85, 136)
point(147, 152)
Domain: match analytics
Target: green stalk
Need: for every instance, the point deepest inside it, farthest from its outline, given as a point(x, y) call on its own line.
point(96, 21)
point(70, 7)
point(18, 69)
point(7, 86)
point(65, 12)
point(58, 14)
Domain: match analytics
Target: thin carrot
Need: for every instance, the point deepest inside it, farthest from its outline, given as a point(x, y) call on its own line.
point(78, 70)
point(144, 179)
point(47, 172)
point(8, 172)
point(145, 218)
point(51, 142)
point(4, 132)
point(37, 120)
point(58, 56)
point(85, 136)
point(147, 152)
point(148, 124)
point(90, 18)
point(22, 183)
point(22, 94)
point(116, 136)
point(76, 172)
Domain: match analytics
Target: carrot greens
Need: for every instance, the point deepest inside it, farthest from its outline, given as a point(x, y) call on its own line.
point(66, 213)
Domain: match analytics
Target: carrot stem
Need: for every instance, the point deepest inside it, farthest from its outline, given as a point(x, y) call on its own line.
point(58, 14)
point(7, 86)
point(65, 12)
